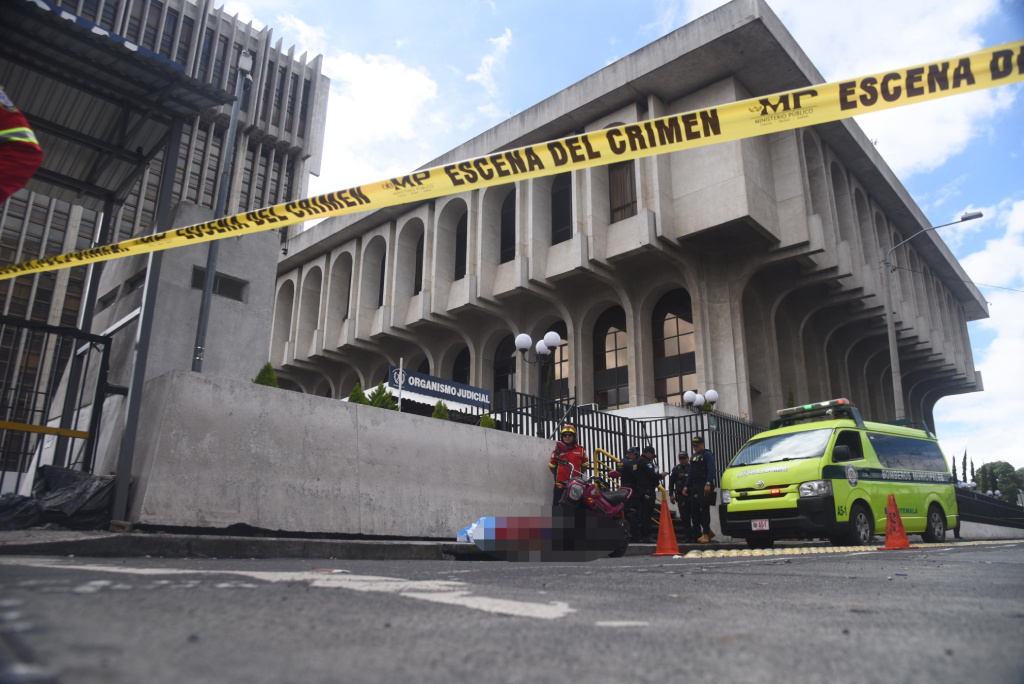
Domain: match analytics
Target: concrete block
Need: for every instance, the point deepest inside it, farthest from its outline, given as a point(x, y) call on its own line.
point(215, 452)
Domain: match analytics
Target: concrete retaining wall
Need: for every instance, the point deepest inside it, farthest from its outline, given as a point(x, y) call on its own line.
point(213, 452)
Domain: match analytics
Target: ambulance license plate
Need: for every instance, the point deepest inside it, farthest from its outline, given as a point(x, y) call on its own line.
point(758, 525)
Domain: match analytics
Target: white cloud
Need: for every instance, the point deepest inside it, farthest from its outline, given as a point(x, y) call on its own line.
point(245, 13)
point(308, 39)
point(987, 424)
point(484, 75)
point(376, 118)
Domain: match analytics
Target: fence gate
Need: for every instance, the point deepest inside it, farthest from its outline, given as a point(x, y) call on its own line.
point(51, 380)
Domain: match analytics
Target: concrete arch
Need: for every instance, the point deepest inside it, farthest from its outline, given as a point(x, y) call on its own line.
point(449, 212)
point(817, 183)
point(447, 362)
point(844, 209)
point(309, 313)
point(491, 202)
point(325, 388)
point(372, 272)
point(281, 335)
point(404, 279)
point(866, 231)
point(338, 297)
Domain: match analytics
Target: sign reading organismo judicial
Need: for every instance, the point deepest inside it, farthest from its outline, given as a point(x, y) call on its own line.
point(440, 388)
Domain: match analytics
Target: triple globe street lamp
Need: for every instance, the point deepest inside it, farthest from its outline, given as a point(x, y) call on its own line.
point(542, 353)
point(894, 356)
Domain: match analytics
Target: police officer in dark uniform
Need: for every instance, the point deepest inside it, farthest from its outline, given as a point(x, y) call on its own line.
point(700, 486)
point(676, 481)
point(647, 479)
point(627, 478)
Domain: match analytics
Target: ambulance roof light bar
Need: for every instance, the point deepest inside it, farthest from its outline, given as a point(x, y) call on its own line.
point(834, 408)
point(831, 403)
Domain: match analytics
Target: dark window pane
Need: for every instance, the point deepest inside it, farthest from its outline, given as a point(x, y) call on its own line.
point(621, 190)
point(561, 208)
point(508, 229)
point(461, 245)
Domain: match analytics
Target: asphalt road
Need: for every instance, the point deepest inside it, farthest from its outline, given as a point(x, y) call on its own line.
point(949, 614)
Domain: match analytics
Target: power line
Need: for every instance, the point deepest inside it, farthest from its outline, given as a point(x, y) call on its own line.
point(973, 282)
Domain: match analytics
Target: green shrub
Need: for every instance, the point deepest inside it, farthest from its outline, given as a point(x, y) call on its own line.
point(357, 396)
point(381, 398)
point(487, 422)
point(266, 376)
point(440, 411)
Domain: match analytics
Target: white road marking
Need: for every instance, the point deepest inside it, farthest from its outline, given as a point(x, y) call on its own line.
point(447, 592)
point(621, 623)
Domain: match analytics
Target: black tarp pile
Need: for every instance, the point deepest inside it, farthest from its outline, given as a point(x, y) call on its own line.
point(69, 498)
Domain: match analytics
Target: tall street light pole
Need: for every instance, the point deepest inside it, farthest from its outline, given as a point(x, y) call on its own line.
point(242, 83)
point(894, 354)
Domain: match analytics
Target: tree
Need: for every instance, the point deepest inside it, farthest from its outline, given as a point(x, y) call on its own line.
point(964, 464)
point(486, 421)
point(357, 396)
point(972, 469)
point(266, 376)
point(381, 398)
point(1000, 475)
point(440, 411)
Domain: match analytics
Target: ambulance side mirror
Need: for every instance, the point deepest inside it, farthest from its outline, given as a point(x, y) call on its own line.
point(841, 452)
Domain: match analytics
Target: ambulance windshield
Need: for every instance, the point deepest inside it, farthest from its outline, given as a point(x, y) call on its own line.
point(789, 447)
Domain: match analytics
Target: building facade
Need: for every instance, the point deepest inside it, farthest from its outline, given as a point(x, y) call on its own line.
point(750, 267)
point(279, 145)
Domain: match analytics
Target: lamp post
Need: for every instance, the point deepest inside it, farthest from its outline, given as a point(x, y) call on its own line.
point(543, 351)
point(242, 83)
point(894, 355)
point(695, 401)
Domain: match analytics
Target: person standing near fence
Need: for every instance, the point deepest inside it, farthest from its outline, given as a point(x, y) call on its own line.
point(647, 478)
point(676, 481)
point(627, 478)
point(700, 484)
point(567, 459)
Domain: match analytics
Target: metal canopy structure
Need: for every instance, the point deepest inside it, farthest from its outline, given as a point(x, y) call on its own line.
point(102, 107)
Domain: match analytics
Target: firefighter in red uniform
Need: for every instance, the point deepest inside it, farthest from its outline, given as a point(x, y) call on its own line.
point(566, 449)
point(20, 154)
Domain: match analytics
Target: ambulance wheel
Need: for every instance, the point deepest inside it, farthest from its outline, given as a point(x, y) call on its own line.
point(935, 530)
point(861, 530)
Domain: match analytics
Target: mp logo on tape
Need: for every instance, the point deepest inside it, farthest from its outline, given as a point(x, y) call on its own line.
point(797, 108)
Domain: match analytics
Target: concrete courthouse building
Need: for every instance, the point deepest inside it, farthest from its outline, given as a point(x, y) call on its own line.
point(749, 267)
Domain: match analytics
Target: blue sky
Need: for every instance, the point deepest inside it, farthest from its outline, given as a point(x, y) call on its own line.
point(413, 80)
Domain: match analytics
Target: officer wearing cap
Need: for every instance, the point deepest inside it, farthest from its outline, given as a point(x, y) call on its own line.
point(647, 479)
point(676, 480)
point(627, 478)
point(700, 482)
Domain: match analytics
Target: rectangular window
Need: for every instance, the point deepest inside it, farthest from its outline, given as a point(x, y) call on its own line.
point(218, 64)
point(187, 25)
point(106, 300)
point(167, 39)
point(267, 86)
point(303, 108)
point(204, 55)
point(223, 285)
point(135, 282)
point(109, 15)
point(905, 453)
point(152, 24)
point(622, 190)
point(278, 96)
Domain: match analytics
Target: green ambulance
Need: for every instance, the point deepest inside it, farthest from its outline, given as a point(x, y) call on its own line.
point(822, 471)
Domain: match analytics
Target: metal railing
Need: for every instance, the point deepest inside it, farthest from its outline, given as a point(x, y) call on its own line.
point(41, 405)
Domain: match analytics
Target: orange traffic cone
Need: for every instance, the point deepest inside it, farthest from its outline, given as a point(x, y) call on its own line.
point(895, 535)
point(667, 545)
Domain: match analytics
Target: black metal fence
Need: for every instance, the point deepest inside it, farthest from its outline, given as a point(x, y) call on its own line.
point(723, 434)
point(40, 403)
point(980, 508)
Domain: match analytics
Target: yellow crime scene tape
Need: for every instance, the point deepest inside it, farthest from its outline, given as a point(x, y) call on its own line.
point(798, 108)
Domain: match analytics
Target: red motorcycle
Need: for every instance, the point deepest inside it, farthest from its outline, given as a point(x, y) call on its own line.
point(593, 494)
